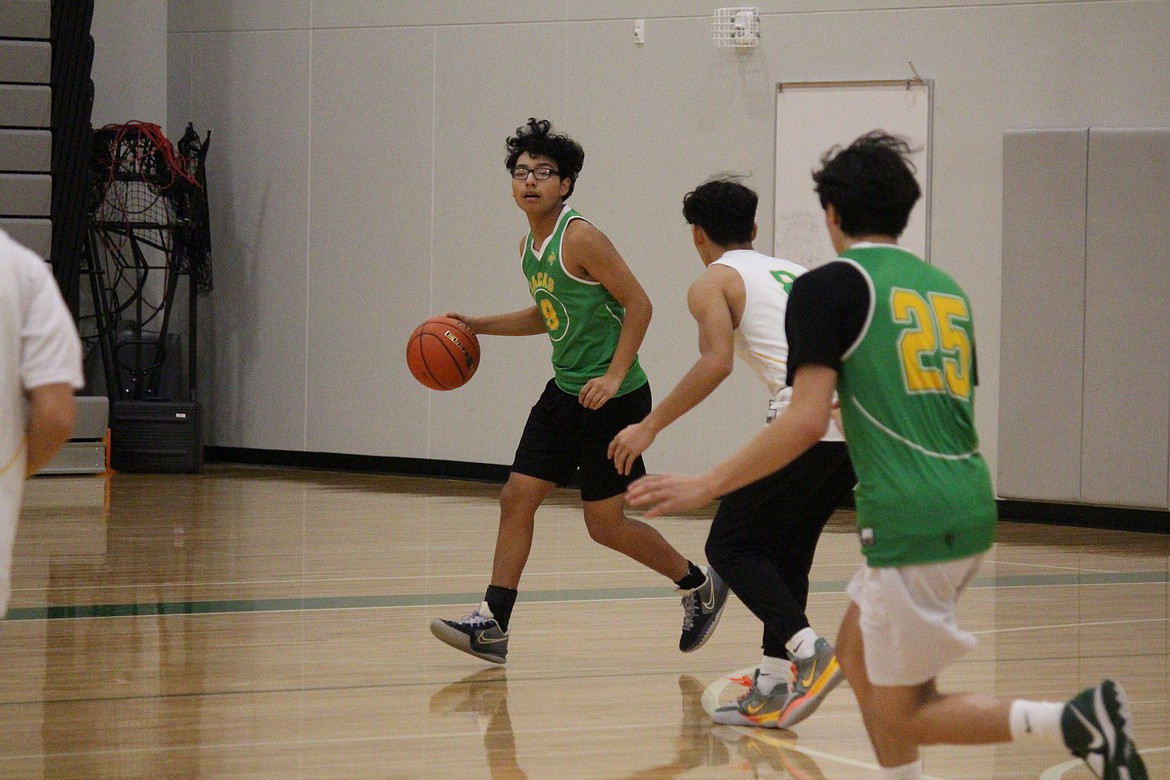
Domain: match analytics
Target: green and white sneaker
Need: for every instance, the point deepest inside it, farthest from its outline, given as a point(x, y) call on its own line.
point(754, 708)
point(814, 678)
point(476, 634)
point(1095, 726)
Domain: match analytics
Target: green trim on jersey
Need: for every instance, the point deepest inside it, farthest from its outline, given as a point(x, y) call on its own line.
point(583, 319)
point(907, 396)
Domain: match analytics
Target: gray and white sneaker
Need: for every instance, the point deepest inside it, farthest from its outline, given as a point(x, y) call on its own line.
point(476, 634)
point(702, 607)
point(815, 677)
point(754, 708)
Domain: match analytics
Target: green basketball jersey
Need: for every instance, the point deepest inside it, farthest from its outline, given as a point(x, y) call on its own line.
point(583, 319)
point(907, 395)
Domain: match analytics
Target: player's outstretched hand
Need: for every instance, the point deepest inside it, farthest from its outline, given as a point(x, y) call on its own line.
point(661, 494)
point(630, 442)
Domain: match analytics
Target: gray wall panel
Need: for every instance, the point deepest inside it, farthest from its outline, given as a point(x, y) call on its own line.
point(26, 62)
point(385, 257)
point(259, 207)
point(25, 106)
point(130, 80)
point(1041, 353)
point(25, 18)
point(26, 151)
point(36, 234)
point(251, 15)
point(25, 194)
point(1127, 362)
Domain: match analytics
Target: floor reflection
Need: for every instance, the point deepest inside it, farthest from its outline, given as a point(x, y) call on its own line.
point(483, 697)
point(694, 746)
point(768, 753)
point(119, 696)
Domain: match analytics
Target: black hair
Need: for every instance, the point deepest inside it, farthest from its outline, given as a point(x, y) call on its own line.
point(536, 138)
point(870, 183)
point(724, 208)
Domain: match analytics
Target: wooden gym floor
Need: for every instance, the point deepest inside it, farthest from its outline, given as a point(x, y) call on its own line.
point(269, 623)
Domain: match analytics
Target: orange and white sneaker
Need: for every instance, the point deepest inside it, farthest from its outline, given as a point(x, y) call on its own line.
point(754, 708)
point(814, 678)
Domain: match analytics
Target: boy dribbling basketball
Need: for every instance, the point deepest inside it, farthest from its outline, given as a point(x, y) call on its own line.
point(596, 313)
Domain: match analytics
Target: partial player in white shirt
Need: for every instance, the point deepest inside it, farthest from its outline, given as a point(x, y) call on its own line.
point(765, 534)
point(40, 367)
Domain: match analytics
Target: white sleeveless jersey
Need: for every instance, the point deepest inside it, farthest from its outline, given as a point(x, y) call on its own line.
point(760, 340)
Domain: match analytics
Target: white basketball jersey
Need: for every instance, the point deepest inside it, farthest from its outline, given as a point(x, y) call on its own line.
point(760, 340)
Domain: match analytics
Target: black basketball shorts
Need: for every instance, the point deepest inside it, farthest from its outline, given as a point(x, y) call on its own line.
point(563, 439)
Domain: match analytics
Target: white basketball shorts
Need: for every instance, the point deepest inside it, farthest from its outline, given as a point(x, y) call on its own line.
point(908, 618)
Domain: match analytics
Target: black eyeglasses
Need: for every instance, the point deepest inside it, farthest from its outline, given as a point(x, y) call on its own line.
point(542, 172)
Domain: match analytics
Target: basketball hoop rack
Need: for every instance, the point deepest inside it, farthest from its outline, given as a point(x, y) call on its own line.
point(148, 225)
point(737, 27)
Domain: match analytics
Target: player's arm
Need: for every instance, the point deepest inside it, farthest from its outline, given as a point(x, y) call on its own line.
point(801, 426)
point(707, 300)
point(525, 322)
point(589, 248)
point(52, 411)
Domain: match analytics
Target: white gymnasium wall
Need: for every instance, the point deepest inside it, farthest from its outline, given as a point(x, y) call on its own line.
point(129, 62)
point(357, 181)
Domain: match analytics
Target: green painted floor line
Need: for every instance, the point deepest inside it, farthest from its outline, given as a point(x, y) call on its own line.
point(225, 606)
point(228, 606)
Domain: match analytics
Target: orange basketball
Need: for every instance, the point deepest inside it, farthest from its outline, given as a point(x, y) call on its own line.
point(442, 353)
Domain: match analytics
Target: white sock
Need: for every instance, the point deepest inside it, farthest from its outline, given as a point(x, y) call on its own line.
point(911, 771)
point(1036, 721)
point(803, 643)
point(773, 672)
point(486, 611)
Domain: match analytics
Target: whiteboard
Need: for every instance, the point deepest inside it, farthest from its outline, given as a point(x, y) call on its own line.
point(812, 117)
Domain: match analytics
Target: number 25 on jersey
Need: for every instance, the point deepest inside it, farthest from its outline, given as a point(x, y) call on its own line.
point(934, 345)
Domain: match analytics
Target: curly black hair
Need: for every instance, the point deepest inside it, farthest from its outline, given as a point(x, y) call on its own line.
point(537, 139)
point(870, 183)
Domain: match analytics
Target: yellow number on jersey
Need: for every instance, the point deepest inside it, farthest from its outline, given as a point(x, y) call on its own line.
point(933, 329)
point(551, 320)
point(949, 312)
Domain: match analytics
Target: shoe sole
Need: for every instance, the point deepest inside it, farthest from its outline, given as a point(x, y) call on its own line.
point(737, 718)
point(802, 708)
point(1121, 768)
point(461, 641)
